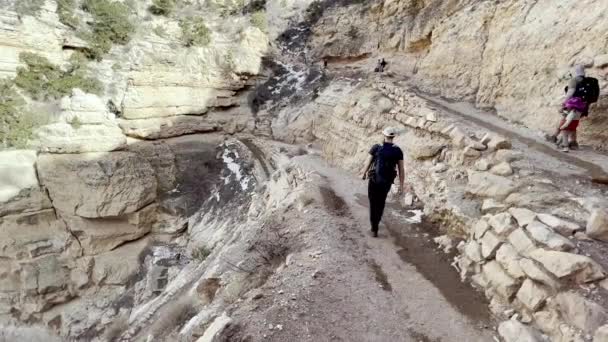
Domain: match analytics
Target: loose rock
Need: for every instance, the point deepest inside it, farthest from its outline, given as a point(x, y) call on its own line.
point(562, 264)
point(499, 281)
point(536, 273)
point(582, 313)
point(523, 216)
point(502, 169)
point(521, 242)
point(502, 224)
point(508, 258)
point(489, 245)
point(597, 226)
point(514, 331)
point(563, 227)
point(532, 295)
point(485, 184)
point(547, 237)
point(601, 335)
point(491, 206)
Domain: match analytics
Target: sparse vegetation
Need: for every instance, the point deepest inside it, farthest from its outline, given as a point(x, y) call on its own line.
point(162, 7)
point(28, 7)
point(228, 64)
point(65, 11)
point(111, 25)
point(195, 32)
point(76, 123)
point(353, 32)
point(160, 31)
point(258, 19)
point(200, 253)
point(16, 124)
point(43, 80)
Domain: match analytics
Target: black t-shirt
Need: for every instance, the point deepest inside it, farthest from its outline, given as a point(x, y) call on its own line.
point(390, 155)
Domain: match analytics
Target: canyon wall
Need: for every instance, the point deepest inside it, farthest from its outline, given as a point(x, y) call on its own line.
point(511, 56)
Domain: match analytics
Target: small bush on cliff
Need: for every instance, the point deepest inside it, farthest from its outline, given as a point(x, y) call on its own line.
point(16, 124)
point(65, 11)
point(28, 7)
point(162, 7)
point(258, 19)
point(111, 25)
point(195, 32)
point(43, 80)
point(200, 253)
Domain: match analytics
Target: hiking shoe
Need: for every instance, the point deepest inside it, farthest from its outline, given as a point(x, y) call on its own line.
point(574, 145)
point(565, 149)
point(551, 138)
point(374, 233)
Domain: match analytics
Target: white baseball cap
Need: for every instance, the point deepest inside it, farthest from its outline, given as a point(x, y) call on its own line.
point(390, 132)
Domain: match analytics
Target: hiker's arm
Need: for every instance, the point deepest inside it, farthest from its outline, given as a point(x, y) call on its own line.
point(571, 88)
point(401, 175)
point(368, 163)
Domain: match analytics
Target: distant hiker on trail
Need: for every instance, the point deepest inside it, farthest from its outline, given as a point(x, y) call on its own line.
point(381, 168)
point(381, 65)
point(581, 92)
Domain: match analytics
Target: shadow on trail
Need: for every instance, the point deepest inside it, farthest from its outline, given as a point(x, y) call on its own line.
point(419, 250)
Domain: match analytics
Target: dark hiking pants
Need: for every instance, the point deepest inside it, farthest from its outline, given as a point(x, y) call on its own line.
point(377, 193)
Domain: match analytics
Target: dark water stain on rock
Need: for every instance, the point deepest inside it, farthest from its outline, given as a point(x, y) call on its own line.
point(333, 202)
point(420, 337)
point(381, 277)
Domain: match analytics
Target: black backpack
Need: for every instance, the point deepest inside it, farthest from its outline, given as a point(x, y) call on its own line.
point(588, 89)
point(380, 172)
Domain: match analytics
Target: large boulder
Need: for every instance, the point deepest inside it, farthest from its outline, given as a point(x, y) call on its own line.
point(98, 184)
point(580, 312)
point(19, 188)
point(70, 138)
point(562, 264)
point(485, 184)
point(597, 226)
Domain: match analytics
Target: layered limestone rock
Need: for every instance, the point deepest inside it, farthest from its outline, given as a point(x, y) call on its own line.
point(98, 184)
point(492, 70)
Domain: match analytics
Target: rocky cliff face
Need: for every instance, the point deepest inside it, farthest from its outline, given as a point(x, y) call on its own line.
point(162, 191)
point(512, 56)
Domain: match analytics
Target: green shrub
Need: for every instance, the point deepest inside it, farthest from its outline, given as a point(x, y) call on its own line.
point(160, 31)
point(200, 253)
point(65, 11)
point(43, 80)
point(76, 123)
point(195, 32)
point(111, 25)
point(16, 124)
point(162, 7)
point(258, 19)
point(28, 7)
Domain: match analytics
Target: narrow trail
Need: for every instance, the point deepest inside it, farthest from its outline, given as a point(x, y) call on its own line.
point(432, 302)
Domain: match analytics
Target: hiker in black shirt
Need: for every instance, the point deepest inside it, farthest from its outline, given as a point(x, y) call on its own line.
point(381, 168)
